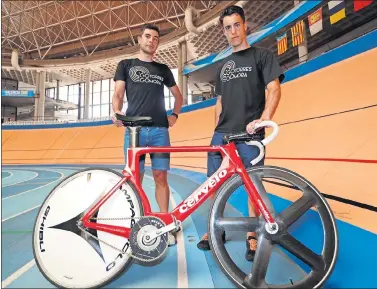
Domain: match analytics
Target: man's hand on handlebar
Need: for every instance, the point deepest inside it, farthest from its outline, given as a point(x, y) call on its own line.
point(250, 128)
point(116, 122)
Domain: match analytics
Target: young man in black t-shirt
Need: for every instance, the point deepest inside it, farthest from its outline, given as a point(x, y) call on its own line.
point(241, 83)
point(143, 80)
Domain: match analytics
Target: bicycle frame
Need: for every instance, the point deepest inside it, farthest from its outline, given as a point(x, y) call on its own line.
point(231, 164)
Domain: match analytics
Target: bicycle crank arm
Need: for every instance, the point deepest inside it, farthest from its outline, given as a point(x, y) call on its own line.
point(151, 236)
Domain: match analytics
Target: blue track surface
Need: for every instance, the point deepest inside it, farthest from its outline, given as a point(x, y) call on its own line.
point(24, 188)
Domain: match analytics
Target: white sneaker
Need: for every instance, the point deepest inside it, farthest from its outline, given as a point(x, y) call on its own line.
point(172, 241)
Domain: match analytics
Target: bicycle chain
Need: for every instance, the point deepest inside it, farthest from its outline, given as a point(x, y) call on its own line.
point(112, 246)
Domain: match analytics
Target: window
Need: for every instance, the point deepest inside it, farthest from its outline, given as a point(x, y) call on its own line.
point(96, 98)
point(76, 99)
point(96, 111)
point(63, 93)
point(97, 86)
point(105, 97)
point(105, 110)
point(105, 85)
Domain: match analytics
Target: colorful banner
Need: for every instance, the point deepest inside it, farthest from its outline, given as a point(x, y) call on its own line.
point(298, 33)
point(337, 10)
point(282, 43)
point(295, 13)
point(315, 22)
point(360, 4)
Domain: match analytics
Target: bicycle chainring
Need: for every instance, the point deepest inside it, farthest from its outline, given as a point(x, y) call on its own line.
point(145, 252)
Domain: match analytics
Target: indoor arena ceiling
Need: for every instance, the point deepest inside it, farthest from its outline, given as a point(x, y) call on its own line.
point(65, 38)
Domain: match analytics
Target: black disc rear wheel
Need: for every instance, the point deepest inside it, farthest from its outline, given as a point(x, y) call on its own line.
point(320, 265)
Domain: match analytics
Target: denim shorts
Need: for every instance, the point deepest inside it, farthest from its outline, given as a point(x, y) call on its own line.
point(246, 152)
point(152, 137)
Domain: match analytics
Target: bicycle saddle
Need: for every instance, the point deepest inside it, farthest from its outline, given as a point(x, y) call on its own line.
point(134, 120)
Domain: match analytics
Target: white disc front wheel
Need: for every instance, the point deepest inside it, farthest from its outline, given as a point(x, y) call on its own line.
point(70, 257)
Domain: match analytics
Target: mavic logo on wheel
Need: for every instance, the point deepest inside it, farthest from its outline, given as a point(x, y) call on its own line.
point(197, 195)
point(41, 229)
point(127, 244)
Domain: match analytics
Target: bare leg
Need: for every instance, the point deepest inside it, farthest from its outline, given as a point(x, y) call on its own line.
point(162, 190)
point(253, 243)
point(211, 197)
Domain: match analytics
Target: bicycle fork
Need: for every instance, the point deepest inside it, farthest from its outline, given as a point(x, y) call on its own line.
point(258, 203)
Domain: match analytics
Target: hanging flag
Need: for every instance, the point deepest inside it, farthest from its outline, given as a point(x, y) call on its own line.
point(282, 43)
point(360, 4)
point(337, 10)
point(298, 33)
point(315, 22)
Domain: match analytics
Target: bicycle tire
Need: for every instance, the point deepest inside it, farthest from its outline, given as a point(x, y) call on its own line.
point(315, 278)
point(120, 269)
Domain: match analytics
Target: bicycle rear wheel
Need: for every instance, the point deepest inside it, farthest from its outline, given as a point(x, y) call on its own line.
point(318, 265)
point(68, 256)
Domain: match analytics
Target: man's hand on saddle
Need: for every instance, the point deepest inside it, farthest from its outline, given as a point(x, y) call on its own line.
point(116, 122)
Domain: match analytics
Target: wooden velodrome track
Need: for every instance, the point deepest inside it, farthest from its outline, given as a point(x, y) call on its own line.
point(327, 134)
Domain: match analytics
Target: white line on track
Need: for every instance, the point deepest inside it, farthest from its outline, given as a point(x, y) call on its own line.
point(11, 174)
point(61, 176)
point(28, 210)
point(17, 274)
point(36, 174)
point(181, 251)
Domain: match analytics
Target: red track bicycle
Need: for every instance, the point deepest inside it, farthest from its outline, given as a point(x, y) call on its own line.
point(96, 222)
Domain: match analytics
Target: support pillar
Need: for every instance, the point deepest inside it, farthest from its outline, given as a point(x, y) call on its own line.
point(182, 79)
point(57, 89)
point(39, 102)
point(57, 93)
point(180, 67)
point(88, 74)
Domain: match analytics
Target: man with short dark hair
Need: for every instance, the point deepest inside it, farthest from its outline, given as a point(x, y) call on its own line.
point(241, 83)
point(143, 80)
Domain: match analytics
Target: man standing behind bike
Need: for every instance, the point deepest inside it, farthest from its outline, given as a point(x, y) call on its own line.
point(242, 101)
point(143, 80)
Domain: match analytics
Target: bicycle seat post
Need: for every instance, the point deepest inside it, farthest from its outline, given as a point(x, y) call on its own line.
point(134, 136)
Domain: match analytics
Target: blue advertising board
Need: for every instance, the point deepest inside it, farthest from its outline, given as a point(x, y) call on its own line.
point(17, 93)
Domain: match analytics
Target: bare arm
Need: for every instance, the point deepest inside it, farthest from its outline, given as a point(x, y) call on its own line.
point(117, 102)
point(118, 96)
point(178, 102)
point(218, 109)
point(272, 99)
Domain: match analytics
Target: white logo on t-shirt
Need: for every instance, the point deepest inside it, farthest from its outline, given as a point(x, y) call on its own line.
point(141, 74)
point(229, 71)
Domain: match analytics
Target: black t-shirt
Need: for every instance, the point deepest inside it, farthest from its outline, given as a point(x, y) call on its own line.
point(241, 81)
point(145, 88)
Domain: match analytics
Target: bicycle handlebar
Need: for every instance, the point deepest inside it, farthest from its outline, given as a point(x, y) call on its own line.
point(275, 131)
point(266, 141)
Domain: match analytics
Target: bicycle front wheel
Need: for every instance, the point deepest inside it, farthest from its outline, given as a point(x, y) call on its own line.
point(70, 257)
point(300, 257)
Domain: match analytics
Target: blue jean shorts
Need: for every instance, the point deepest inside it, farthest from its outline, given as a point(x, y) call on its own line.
point(246, 152)
point(152, 137)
